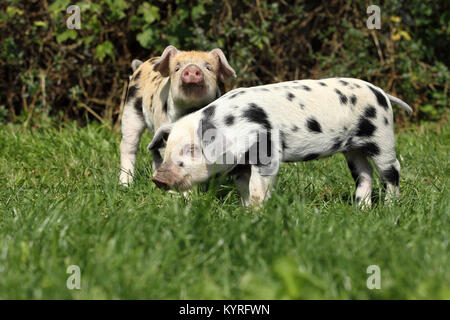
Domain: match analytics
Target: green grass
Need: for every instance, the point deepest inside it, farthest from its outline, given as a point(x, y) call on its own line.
point(61, 205)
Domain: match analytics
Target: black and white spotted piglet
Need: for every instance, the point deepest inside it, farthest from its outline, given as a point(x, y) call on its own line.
point(250, 131)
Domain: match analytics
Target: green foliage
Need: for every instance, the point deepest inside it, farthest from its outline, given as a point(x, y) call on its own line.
point(103, 50)
point(61, 205)
point(265, 42)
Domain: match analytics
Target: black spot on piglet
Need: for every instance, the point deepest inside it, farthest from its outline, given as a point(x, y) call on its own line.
point(313, 125)
point(306, 88)
point(138, 107)
point(370, 112)
point(336, 145)
point(380, 98)
point(234, 95)
point(256, 114)
point(365, 128)
point(370, 149)
point(229, 120)
point(391, 175)
point(342, 97)
point(353, 172)
point(131, 92)
point(209, 112)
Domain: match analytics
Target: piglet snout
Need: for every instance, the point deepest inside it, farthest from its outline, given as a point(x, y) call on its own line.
point(192, 74)
point(160, 183)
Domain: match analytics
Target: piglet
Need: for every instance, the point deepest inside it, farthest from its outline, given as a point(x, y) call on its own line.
point(249, 132)
point(162, 90)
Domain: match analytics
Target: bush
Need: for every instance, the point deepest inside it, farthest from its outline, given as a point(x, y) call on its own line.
point(48, 69)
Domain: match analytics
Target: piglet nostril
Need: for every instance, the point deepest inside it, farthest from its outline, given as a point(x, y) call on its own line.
point(192, 74)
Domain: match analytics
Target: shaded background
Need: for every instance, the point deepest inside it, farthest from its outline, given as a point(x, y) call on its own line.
point(51, 72)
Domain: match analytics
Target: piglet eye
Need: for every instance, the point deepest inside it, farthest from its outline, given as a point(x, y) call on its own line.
point(208, 67)
point(181, 164)
point(177, 67)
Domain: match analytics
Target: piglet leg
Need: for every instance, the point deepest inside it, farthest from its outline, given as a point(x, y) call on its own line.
point(259, 186)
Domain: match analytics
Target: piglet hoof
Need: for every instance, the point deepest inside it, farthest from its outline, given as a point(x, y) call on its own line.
point(173, 193)
point(177, 194)
point(365, 206)
point(185, 194)
point(364, 203)
point(125, 179)
point(256, 203)
point(390, 199)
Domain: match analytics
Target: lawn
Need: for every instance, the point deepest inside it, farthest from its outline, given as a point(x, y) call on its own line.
point(61, 205)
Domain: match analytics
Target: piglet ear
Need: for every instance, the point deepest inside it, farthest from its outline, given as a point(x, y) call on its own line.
point(225, 70)
point(136, 63)
point(160, 137)
point(162, 65)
